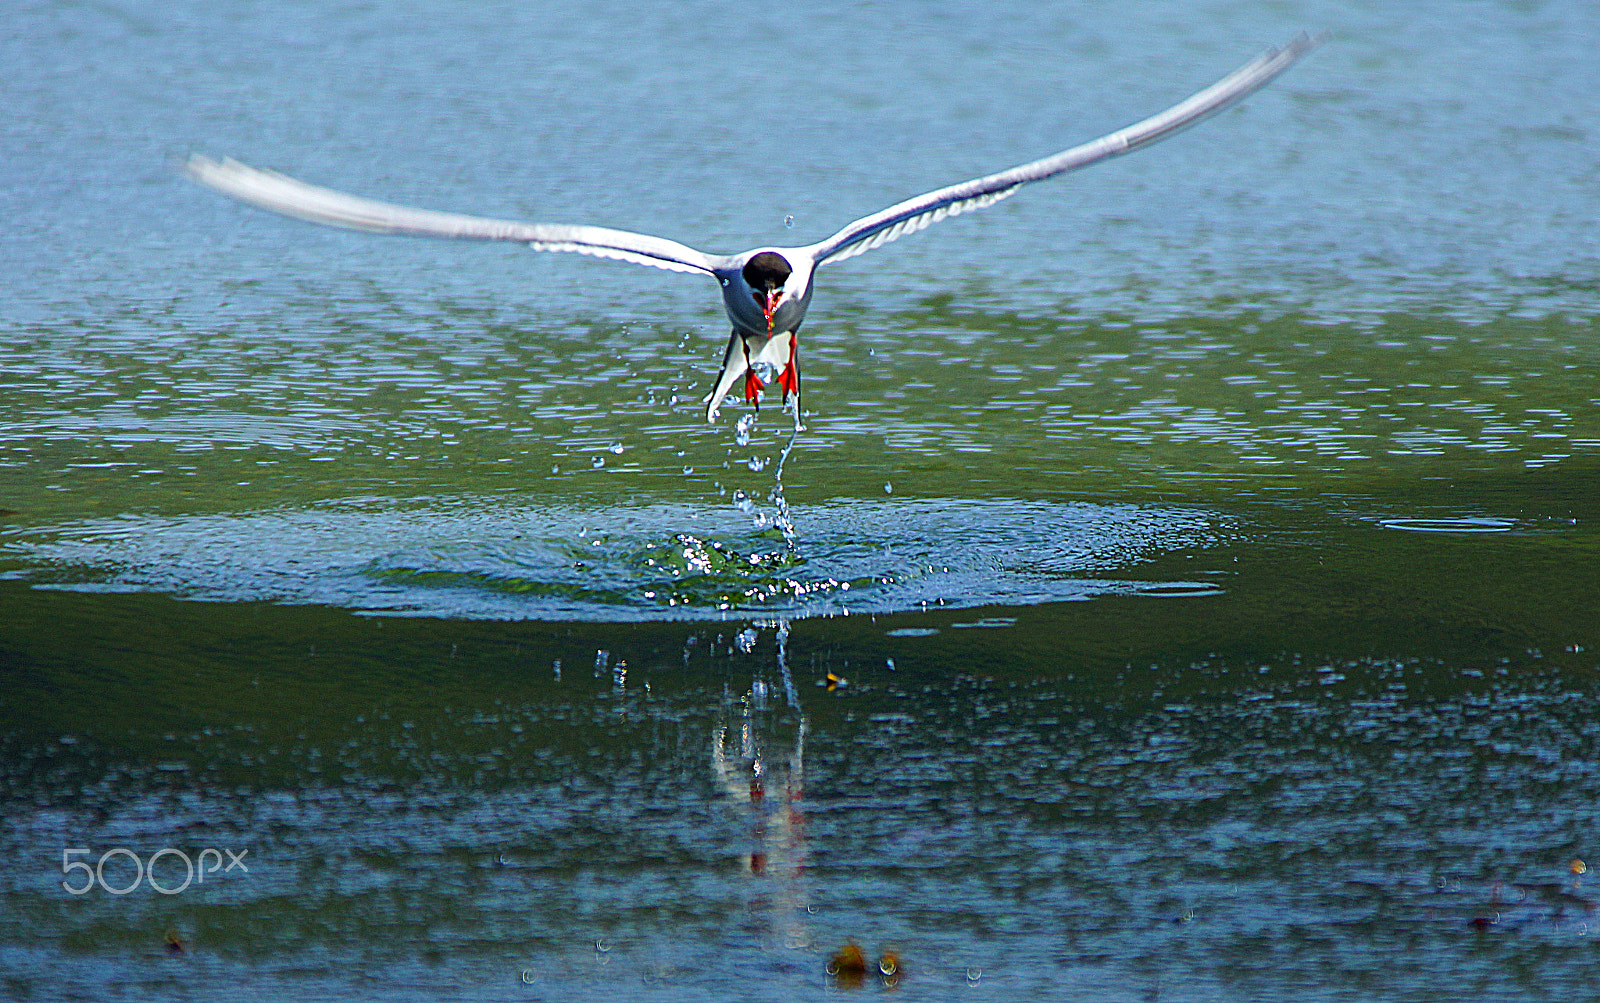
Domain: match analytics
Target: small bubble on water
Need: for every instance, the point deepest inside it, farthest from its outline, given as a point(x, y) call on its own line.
point(788, 222)
point(757, 463)
point(616, 448)
point(673, 400)
point(746, 640)
point(687, 471)
point(555, 468)
point(597, 462)
point(888, 488)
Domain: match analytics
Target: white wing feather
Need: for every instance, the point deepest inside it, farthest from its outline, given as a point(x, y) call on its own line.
point(284, 194)
point(922, 211)
point(279, 193)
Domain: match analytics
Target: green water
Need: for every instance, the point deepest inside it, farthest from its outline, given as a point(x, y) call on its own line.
point(1192, 587)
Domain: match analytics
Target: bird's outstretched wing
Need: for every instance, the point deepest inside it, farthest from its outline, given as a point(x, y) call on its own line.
point(280, 193)
point(917, 213)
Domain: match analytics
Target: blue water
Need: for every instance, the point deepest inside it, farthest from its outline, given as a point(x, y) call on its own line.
point(1190, 592)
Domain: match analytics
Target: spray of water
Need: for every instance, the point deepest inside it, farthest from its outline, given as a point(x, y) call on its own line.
point(784, 519)
point(781, 518)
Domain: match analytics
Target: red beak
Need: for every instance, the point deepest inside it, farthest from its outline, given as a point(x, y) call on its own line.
point(769, 306)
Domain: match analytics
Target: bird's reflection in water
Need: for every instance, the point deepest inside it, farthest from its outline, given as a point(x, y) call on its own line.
point(761, 771)
point(767, 789)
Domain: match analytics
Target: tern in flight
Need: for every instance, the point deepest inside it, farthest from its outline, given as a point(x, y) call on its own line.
point(766, 290)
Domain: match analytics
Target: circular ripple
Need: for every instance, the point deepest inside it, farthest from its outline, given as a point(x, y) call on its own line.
point(1464, 525)
point(482, 558)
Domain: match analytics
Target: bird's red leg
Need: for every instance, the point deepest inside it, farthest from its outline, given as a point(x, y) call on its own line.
point(790, 379)
point(752, 383)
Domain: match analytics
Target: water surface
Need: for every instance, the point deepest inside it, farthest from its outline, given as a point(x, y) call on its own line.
point(1191, 587)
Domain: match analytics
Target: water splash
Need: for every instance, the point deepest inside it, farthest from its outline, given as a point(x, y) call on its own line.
point(744, 503)
point(783, 519)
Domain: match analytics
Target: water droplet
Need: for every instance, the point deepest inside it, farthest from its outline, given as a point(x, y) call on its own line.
point(741, 429)
point(888, 488)
point(687, 471)
point(616, 448)
point(597, 462)
point(788, 222)
point(757, 463)
point(673, 400)
point(746, 640)
point(555, 468)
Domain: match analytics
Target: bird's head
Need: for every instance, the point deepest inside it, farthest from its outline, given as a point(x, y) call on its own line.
point(765, 274)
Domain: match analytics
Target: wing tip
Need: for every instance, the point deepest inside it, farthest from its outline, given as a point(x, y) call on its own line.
point(195, 166)
point(1298, 46)
point(224, 175)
